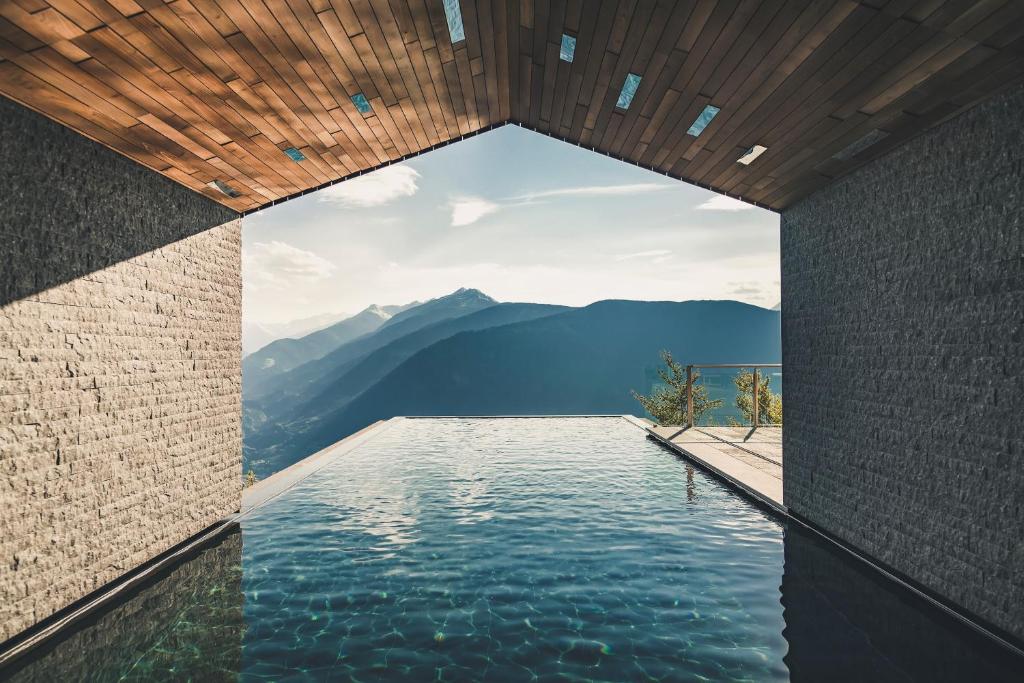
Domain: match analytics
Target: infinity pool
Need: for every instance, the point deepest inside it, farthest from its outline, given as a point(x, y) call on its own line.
point(558, 549)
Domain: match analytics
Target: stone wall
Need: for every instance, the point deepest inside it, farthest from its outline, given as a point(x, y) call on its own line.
point(119, 366)
point(903, 345)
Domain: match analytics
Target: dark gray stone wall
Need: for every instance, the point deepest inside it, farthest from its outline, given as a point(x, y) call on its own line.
point(903, 346)
point(70, 206)
point(120, 366)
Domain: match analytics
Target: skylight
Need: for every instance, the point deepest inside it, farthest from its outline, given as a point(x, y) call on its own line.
point(628, 91)
point(751, 154)
point(295, 154)
point(568, 49)
point(454, 14)
point(223, 187)
point(703, 120)
point(362, 104)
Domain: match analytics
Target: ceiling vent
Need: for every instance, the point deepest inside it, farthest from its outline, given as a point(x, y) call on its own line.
point(751, 154)
point(226, 189)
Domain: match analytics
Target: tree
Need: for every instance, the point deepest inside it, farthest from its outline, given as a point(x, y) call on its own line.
point(667, 404)
point(769, 404)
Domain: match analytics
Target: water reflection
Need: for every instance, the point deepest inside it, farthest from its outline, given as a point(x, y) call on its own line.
point(845, 621)
point(501, 551)
point(184, 624)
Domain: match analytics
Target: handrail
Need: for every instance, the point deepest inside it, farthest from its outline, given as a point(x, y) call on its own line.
point(737, 365)
point(756, 388)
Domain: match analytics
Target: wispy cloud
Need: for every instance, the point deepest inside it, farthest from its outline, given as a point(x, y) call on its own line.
point(722, 203)
point(595, 191)
point(276, 264)
point(373, 189)
point(652, 254)
point(468, 210)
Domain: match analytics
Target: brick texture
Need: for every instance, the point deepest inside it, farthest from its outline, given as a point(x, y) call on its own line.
point(119, 420)
point(903, 345)
point(120, 351)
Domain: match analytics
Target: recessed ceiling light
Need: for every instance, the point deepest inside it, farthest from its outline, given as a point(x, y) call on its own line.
point(568, 49)
point(702, 121)
point(751, 154)
point(628, 91)
point(225, 188)
point(454, 14)
point(362, 104)
point(295, 154)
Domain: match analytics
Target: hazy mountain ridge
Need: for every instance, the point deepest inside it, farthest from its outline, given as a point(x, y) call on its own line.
point(464, 298)
point(320, 368)
point(576, 361)
point(357, 377)
point(284, 354)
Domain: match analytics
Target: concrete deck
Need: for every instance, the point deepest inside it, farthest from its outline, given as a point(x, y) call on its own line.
point(749, 458)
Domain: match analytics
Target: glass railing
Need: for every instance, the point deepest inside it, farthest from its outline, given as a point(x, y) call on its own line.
point(726, 394)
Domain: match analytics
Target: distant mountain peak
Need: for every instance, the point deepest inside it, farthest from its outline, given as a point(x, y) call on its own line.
point(374, 309)
point(469, 293)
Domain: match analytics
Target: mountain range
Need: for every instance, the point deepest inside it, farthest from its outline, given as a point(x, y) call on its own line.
point(284, 354)
point(256, 335)
point(467, 354)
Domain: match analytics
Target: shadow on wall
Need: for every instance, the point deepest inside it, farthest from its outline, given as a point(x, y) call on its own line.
point(71, 206)
point(191, 614)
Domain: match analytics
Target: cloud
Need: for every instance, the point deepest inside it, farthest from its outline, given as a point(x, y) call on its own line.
point(469, 210)
point(373, 189)
point(595, 191)
point(657, 254)
point(722, 203)
point(276, 264)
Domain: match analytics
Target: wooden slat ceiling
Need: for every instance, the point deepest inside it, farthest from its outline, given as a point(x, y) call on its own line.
point(205, 90)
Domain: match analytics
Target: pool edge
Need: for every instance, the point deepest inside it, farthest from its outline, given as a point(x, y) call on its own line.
point(25, 642)
point(269, 489)
point(747, 488)
point(1005, 640)
point(262, 492)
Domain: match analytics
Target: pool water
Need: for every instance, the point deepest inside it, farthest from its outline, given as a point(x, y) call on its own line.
point(547, 549)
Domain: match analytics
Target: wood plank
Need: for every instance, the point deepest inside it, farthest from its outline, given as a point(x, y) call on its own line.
point(204, 89)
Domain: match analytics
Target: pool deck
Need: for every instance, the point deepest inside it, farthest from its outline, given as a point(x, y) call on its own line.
point(748, 458)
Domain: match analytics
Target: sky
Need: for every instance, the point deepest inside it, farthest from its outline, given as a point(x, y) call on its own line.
point(517, 215)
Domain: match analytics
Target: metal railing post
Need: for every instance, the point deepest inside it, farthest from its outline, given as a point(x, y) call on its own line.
point(755, 386)
point(689, 396)
point(757, 377)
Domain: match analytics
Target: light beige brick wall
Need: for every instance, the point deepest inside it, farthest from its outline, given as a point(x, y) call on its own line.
point(120, 420)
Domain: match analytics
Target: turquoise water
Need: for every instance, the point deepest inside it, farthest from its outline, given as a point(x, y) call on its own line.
point(568, 549)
